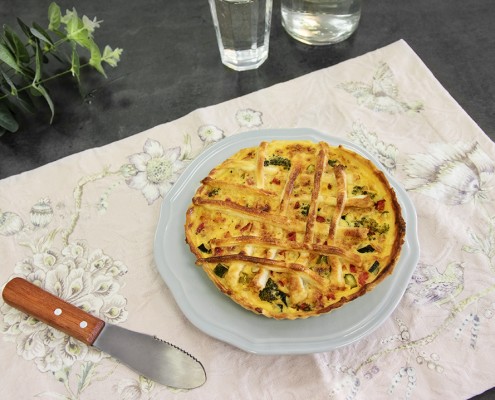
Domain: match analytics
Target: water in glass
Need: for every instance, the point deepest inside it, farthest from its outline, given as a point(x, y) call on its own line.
point(320, 22)
point(243, 31)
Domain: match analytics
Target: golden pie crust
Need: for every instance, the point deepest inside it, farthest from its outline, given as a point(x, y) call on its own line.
point(293, 229)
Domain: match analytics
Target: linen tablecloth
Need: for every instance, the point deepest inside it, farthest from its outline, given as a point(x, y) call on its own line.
point(83, 228)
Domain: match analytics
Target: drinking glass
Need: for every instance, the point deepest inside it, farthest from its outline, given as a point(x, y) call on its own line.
point(243, 31)
point(320, 22)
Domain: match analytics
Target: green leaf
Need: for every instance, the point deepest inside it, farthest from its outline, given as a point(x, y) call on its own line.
point(82, 39)
point(41, 90)
point(34, 92)
point(73, 24)
point(36, 85)
point(25, 29)
point(88, 370)
point(7, 57)
point(13, 89)
point(111, 57)
point(54, 16)
point(17, 97)
point(38, 59)
point(78, 31)
point(41, 34)
point(95, 60)
point(20, 52)
point(27, 74)
point(75, 64)
point(65, 19)
point(7, 120)
point(24, 102)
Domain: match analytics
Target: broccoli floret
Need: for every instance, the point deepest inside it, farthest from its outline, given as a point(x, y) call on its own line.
point(357, 190)
point(213, 192)
point(373, 226)
point(277, 160)
point(305, 209)
point(271, 293)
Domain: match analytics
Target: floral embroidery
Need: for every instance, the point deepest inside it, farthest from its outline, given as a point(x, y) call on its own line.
point(483, 244)
point(157, 169)
point(428, 285)
point(348, 383)
point(41, 213)
point(385, 153)
point(452, 173)
point(407, 374)
point(473, 320)
point(210, 134)
point(249, 118)
point(382, 94)
point(487, 308)
point(132, 389)
point(369, 374)
point(88, 280)
point(10, 223)
point(431, 361)
point(402, 336)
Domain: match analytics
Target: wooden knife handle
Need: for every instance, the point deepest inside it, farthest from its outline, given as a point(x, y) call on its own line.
point(32, 300)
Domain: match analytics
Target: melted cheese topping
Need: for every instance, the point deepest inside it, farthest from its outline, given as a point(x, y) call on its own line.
point(293, 229)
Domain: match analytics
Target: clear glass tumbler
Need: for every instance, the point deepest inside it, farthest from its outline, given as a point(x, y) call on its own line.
point(320, 22)
point(243, 31)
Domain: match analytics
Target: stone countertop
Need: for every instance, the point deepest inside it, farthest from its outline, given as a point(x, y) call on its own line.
point(171, 66)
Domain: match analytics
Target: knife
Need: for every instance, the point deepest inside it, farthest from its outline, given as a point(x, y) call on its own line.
point(156, 359)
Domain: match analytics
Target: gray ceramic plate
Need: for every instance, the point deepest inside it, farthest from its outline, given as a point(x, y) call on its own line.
point(218, 316)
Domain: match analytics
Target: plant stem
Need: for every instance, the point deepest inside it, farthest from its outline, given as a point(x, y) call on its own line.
point(43, 81)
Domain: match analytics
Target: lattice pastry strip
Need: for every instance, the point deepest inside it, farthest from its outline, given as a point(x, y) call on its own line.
point(279, 229)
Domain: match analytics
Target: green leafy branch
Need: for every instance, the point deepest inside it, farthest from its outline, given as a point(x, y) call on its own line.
point(23, 72)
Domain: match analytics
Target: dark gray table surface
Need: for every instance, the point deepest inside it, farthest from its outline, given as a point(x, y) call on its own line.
point(171, 66)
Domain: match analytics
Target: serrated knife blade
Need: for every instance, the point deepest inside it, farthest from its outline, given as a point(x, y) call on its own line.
point(156, 359)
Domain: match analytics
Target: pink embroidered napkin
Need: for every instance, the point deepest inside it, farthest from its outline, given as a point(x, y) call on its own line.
point(83, 228)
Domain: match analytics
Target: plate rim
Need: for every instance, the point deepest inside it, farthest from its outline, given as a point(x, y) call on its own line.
point(273, 346)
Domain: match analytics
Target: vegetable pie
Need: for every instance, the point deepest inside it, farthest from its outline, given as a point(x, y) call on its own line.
point(293, 229)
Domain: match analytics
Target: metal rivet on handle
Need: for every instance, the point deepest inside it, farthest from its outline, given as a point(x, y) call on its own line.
point(83, 324)
point(57, 311)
